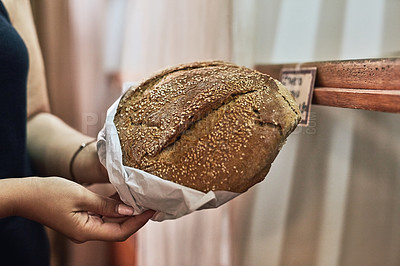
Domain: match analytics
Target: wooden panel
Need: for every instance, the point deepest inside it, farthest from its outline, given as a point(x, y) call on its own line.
point(375, 100)
point(370, 84)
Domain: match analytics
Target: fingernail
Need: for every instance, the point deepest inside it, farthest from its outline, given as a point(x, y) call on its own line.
point(124, 210)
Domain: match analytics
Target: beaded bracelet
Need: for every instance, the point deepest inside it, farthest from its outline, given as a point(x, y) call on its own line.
point(71, 163)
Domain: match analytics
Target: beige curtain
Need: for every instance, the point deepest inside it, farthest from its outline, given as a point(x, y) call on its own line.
point(80, 90)
point(161, 33)
point(52, 20)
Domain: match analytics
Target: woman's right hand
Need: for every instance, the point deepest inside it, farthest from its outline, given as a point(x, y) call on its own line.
point(69, 208)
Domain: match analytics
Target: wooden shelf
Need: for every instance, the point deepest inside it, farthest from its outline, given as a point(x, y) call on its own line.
point(369, 84)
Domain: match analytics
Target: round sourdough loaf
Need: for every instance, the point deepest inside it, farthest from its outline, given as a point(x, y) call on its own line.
point(206, 125)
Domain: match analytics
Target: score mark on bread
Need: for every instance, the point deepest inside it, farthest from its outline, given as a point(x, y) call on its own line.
point(206, 125)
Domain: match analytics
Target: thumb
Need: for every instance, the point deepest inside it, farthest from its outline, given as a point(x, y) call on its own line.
point(109, 207)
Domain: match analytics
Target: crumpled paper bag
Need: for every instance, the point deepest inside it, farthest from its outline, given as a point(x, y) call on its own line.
point(144, 191)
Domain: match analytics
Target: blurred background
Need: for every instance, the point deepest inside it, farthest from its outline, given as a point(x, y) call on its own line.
point(332, 196)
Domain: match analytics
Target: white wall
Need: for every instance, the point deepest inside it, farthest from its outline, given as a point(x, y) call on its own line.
point(331, 197)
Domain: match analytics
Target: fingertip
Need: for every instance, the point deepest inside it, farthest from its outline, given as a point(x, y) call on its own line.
point(123, 209)
point(144, 217)
point(149, 214)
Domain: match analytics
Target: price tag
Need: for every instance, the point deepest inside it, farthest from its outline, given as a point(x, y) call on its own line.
point(300, 82)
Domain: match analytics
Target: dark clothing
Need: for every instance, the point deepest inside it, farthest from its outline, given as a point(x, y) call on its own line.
point(22, 242)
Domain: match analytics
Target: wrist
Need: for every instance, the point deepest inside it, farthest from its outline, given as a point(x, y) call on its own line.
point(85, 166)
point(84, 147)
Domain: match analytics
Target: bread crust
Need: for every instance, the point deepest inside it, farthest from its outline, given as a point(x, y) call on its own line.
point(206, 125)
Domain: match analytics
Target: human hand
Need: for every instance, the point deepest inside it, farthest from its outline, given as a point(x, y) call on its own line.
point(75, 211)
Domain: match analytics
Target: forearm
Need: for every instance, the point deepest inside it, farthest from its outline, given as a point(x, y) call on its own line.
point(11, 191)
point(51, 146)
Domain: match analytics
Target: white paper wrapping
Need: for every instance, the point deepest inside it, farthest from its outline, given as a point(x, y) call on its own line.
point(145, 191)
